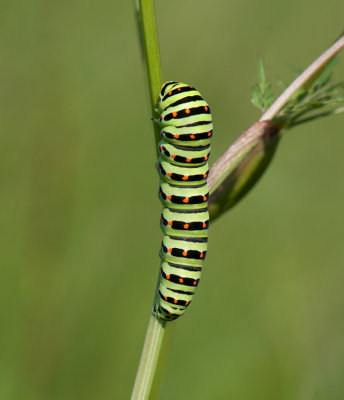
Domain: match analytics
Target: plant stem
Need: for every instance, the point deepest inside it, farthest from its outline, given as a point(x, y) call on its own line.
point(253, 149)
point(307, 76)
point(147, 382)
point(152, 57)
point(149, 359)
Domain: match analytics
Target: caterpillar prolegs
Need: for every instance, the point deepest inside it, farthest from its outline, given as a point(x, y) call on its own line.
point(186, 130)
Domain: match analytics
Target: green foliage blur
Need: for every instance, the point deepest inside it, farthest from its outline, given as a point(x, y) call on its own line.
point(79, 213)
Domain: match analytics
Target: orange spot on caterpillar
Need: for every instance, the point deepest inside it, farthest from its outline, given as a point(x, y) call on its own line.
point(166, 298)
point(186, 226)
point(173, 156)
point(206, 158)
point(169, 173)
point(170, 223)
point(181, 280)
point(175, 301)
point(170, 312)
point(188, 160)
point(201, 255)
point(192, 136)
point(187, 302)
point(174, 114)
point(206, 108)
point(170, 250)
point(209, 134)
point(185, 178)
point(185, 253)
point(176, 136)
point(169, 197)
point(169, 276)
point(204, 175)
point(169, 93)
point(194, 283)
point(179, 89)
point(204, 198)
point(204, 225)
point(187, 111)
point(186, 200)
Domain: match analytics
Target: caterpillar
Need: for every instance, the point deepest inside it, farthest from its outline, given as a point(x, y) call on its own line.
point(186, 129)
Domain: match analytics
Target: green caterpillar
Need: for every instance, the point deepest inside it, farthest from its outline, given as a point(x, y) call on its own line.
point(186, 130)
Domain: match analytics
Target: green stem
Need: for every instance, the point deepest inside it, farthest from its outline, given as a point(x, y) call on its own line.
point(152, 57)
point(147, 380)
point(149, 359)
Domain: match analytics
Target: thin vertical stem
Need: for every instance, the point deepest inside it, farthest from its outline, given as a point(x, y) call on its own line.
point(149, 359)
point(152, 57)
point(153, 350)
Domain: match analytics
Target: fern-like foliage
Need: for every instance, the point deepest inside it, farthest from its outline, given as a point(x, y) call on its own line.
point(322, 98)
point(319, 98)
point(261, 93)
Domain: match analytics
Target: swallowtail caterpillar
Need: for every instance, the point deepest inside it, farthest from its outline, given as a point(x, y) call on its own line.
point(186, 130)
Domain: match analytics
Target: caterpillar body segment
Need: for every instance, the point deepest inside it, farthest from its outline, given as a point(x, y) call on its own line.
point(194, 156)
point(183, 197)
point(183, 175)
point(176, 223)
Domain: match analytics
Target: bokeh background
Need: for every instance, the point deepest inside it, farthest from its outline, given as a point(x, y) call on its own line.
point(79, 213)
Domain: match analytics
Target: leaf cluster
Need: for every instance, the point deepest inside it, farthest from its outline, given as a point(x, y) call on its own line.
point(321, 97)
point(261, 93)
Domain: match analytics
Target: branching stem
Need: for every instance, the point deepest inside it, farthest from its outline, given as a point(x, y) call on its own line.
point(307, 76)
point(253, 137)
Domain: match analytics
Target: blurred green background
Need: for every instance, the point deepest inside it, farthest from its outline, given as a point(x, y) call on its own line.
point(79, 213)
